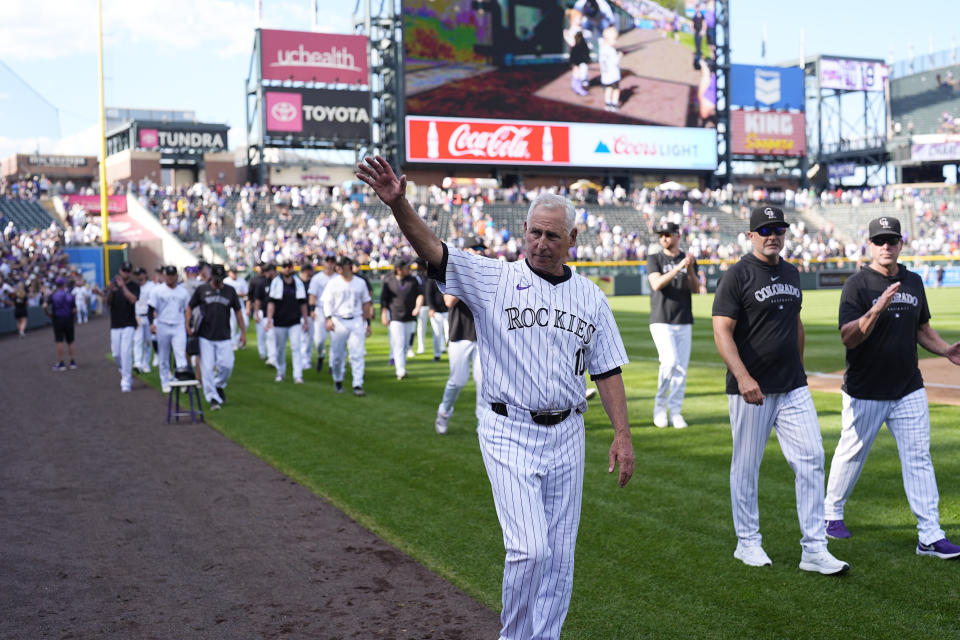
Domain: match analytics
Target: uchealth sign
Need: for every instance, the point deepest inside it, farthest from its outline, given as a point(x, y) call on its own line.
point(318, 113)
point(448, 140)
point(313, 57)
point(767, 133)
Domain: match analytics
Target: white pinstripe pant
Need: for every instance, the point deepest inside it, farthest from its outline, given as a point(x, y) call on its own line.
point(909, 421)
point(536, 475)
point(798, 431)
point(673, 347)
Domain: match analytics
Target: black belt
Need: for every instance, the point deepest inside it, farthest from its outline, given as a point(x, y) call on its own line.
point(345, 317)
point(547, 418)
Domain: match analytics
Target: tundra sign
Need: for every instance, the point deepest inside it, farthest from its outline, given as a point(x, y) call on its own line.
point(321, 114)
point(174, 139)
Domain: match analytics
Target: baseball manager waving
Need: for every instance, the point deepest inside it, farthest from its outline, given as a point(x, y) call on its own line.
point(539, 328)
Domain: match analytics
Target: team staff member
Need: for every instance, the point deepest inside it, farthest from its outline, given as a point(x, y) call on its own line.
point(462, 352)
point(62, 307)
point(169, 324)
point(757, 328)
point(237, 328)
point(318, 283)
point(536, 321)
point(218, 303)
point(400, 301)
point(287, 318)
point(122, 297)
point(883, 316)
point(439, 318)
point(347, 310)
point(673, 274)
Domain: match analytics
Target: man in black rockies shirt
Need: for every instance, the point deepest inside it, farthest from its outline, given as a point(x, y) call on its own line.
point(400, 301)
point(122, 296)
point(673, 274)
point(216, 301)
point(757, 328)
point(883, 316)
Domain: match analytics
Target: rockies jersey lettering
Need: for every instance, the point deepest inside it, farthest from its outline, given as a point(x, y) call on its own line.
point(530, 330)
point(777, 290)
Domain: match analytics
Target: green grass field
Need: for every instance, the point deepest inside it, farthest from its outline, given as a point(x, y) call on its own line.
point(654, 560)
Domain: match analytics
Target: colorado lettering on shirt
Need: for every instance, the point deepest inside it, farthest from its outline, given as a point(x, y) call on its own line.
point(902, 298)
point(777, 289)
point(528, 317)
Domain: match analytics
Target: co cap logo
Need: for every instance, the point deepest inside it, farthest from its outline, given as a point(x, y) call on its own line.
point(769, 213)
point(283, 111)
point(884, 223)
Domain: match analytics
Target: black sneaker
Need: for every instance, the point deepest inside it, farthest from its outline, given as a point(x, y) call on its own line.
point(338, 386)
point(320, 364)
point(359, 392)
point(222, 393)
point(60, 366)
point(215, 406)
point(73, 364)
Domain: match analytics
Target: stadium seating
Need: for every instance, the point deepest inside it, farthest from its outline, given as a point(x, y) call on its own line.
point(26, 215)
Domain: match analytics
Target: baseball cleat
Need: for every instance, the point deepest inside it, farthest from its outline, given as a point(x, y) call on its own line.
point(753, 556)
point(165, 389)
point(679, 422)
point(298, 381)
point(320, 364)
point(660, 419)
point(215, 406)
point(222, 393)
point(359, 392)
point(942, 548)
point(591, 393)
point(279, 378)
point(338, 386)
point(837, 530)
point(822, 562)
point(443, 419)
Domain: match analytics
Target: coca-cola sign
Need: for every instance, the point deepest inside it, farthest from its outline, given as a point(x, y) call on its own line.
point(313, 57)
point(487, 141)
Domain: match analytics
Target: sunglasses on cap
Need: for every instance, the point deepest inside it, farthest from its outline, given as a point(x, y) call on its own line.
point(771, 231)
point(890, 241)
point(665, 234)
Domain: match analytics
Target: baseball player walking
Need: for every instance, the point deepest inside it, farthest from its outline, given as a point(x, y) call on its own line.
point(141, 338)
point(168, 323)
point(347, 310)
point(439, 319)
point(306, 343)
point(218, 302)
point(237, 328)
point(287, 318)
point(673, 274)
point(256, 292)
point(122, 295)
point(462, 352)
point(536, 321)
point(400, 301)
point(883, 316)
point(757, 329)
point(318, 283)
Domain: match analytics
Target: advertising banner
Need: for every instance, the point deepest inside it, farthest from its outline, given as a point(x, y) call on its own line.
point(115, 204)
point(318, 113)
point(313, 57)
point(88, 261)
point(840, 170)
point(173, 138)
point(449, 140)
point(852, 75)
point(767, 133)
point(766, 87)
point(935, 148)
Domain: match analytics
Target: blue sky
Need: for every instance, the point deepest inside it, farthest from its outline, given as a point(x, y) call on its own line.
point(194, 54)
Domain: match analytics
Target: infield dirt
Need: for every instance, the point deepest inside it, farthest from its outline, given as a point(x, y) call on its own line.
point(940, 377)
point(118, 525)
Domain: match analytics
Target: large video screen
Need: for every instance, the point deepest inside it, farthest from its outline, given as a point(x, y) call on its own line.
point(631, 63)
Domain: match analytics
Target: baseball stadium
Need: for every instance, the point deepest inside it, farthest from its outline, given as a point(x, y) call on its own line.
point(390, 354)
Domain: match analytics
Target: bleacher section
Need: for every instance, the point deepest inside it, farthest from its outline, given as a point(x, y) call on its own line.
point(920, 100)
point(26, 214)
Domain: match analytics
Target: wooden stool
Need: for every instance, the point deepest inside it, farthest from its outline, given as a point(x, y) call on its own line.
point(192, 388)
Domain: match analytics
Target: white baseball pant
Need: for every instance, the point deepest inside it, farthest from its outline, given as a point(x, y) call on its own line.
point(296, 335)
point(673, 346)
point(440, 329)
point(909, 422)
point(423, 319)
point(320, 333)
point(83, 312)
point(794, 417)
point(306, 345)
point(348, 334)
point(142, 339)
point(121, 346)
point(170, 336)
point(235, 331)
point(266, 343)
point(536, 475)
point(400, 333)
point(261, 335)
point(461, 354)
point(215, 356)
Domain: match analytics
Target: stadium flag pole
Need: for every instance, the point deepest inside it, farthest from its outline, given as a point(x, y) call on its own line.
point(104, 228)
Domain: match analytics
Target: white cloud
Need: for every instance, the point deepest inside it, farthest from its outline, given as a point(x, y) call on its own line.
point(85, 142)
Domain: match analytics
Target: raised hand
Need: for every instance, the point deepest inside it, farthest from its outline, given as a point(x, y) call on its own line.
point(378, 174)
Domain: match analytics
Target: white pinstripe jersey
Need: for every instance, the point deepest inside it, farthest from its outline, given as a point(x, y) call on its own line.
point(344, 299)
point(536, 339)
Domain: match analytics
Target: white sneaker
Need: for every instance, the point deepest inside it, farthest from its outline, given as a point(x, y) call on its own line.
point(279, 378)
point(660, 419)
point(753, 556)
point(443, 419)
point(166, 389)
point(822, 562)
point(298, 381)
point(679, 422)
point(411, 354)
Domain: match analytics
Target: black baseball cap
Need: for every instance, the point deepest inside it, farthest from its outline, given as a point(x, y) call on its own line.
point(169, 270)
point(306, 266)
point(345, 261)
point(473, 242)
point(140, 271)
point(885, 227)
point(667, 227)
point(217, 271)
point(330, 258)
point(766, 217)
point(400, 262)
point(126, 266)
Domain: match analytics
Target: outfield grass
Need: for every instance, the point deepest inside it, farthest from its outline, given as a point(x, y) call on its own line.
point(654, 560)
